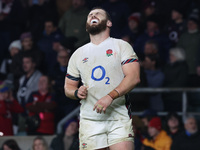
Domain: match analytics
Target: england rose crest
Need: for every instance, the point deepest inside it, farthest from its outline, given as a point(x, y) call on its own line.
point(109, 52)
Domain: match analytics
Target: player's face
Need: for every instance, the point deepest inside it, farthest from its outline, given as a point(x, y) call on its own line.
point(96, 21)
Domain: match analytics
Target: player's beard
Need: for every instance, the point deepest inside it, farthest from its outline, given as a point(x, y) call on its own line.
point(96, 29)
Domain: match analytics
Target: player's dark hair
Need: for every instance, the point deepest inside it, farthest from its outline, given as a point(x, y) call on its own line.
point(107, 14)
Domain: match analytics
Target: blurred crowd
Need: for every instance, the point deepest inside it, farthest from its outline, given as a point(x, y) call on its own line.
point(151, 132)
point(37, 38)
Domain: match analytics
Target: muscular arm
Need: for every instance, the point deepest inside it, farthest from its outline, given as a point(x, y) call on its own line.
point(131, 79)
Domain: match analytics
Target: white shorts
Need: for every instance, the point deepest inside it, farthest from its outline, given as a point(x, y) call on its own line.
point(101, 134)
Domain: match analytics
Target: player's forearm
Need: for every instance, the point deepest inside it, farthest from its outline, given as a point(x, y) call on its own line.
point(69, 92)
point(127, 84)
point(70, 88)
point(131, 79)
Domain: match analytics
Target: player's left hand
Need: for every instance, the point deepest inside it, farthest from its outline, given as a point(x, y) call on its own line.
point(102, 104)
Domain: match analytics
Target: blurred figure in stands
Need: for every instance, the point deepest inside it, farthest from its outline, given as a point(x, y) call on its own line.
point(133, 31)
point(173, 124)
point(155, 78)
point(42, 103)
point(39, 143)
point(189, 41)
point(188, 139)
point(8, 106)
point(65, 104)
point(39, 10)
point(153, 32)
point(10, 144)
point(176, 75)
point(146, 116)
point(159, 140)
point(72, 23)
point(119, 12)
point(14, 49)
point(27, 84)
point(51, 36)
point(68, 140)
point(177, 25)
point(28, 48)
point(13, 19)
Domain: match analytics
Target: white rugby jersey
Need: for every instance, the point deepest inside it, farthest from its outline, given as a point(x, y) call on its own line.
point(100, 68)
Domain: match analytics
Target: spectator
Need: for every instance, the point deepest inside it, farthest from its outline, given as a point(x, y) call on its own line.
point(8, 106)
point(119, 12)
point(148, 8)
point(189, 139)
point(65, 104)
point(173, 124)
point(41, 102)
point(28, 83)
point(39, 10)
point(159, 139)
point(176, 74)
point(68, 140)
point(13, 17)
point(39, 143)
point(165, 7)
point(177, 25)
point(14, 49)
point(139, 101)
point(10, 144)
point(63, 6)
point(155, 79)
point(133, 30)
point(153, 32)
point(72, 24)
point(28, 48)
point(146, 116)
point(137, 128)
point(51, 36)
point(151, 47)
point(189, 41)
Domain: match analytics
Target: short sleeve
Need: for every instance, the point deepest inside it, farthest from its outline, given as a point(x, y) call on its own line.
point(127, 53)
point(72, 69)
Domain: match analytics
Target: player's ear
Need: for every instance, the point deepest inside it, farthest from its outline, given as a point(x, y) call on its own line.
point(109, 23)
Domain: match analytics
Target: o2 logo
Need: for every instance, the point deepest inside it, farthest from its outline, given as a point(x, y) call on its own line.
point(102, 76)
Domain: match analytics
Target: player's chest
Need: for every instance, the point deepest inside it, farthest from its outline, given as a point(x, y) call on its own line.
point(109, 55)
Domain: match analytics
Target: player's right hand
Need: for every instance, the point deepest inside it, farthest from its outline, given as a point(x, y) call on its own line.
point(82, 92)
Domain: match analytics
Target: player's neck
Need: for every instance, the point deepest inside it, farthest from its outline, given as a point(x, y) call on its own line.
point(97, 39)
